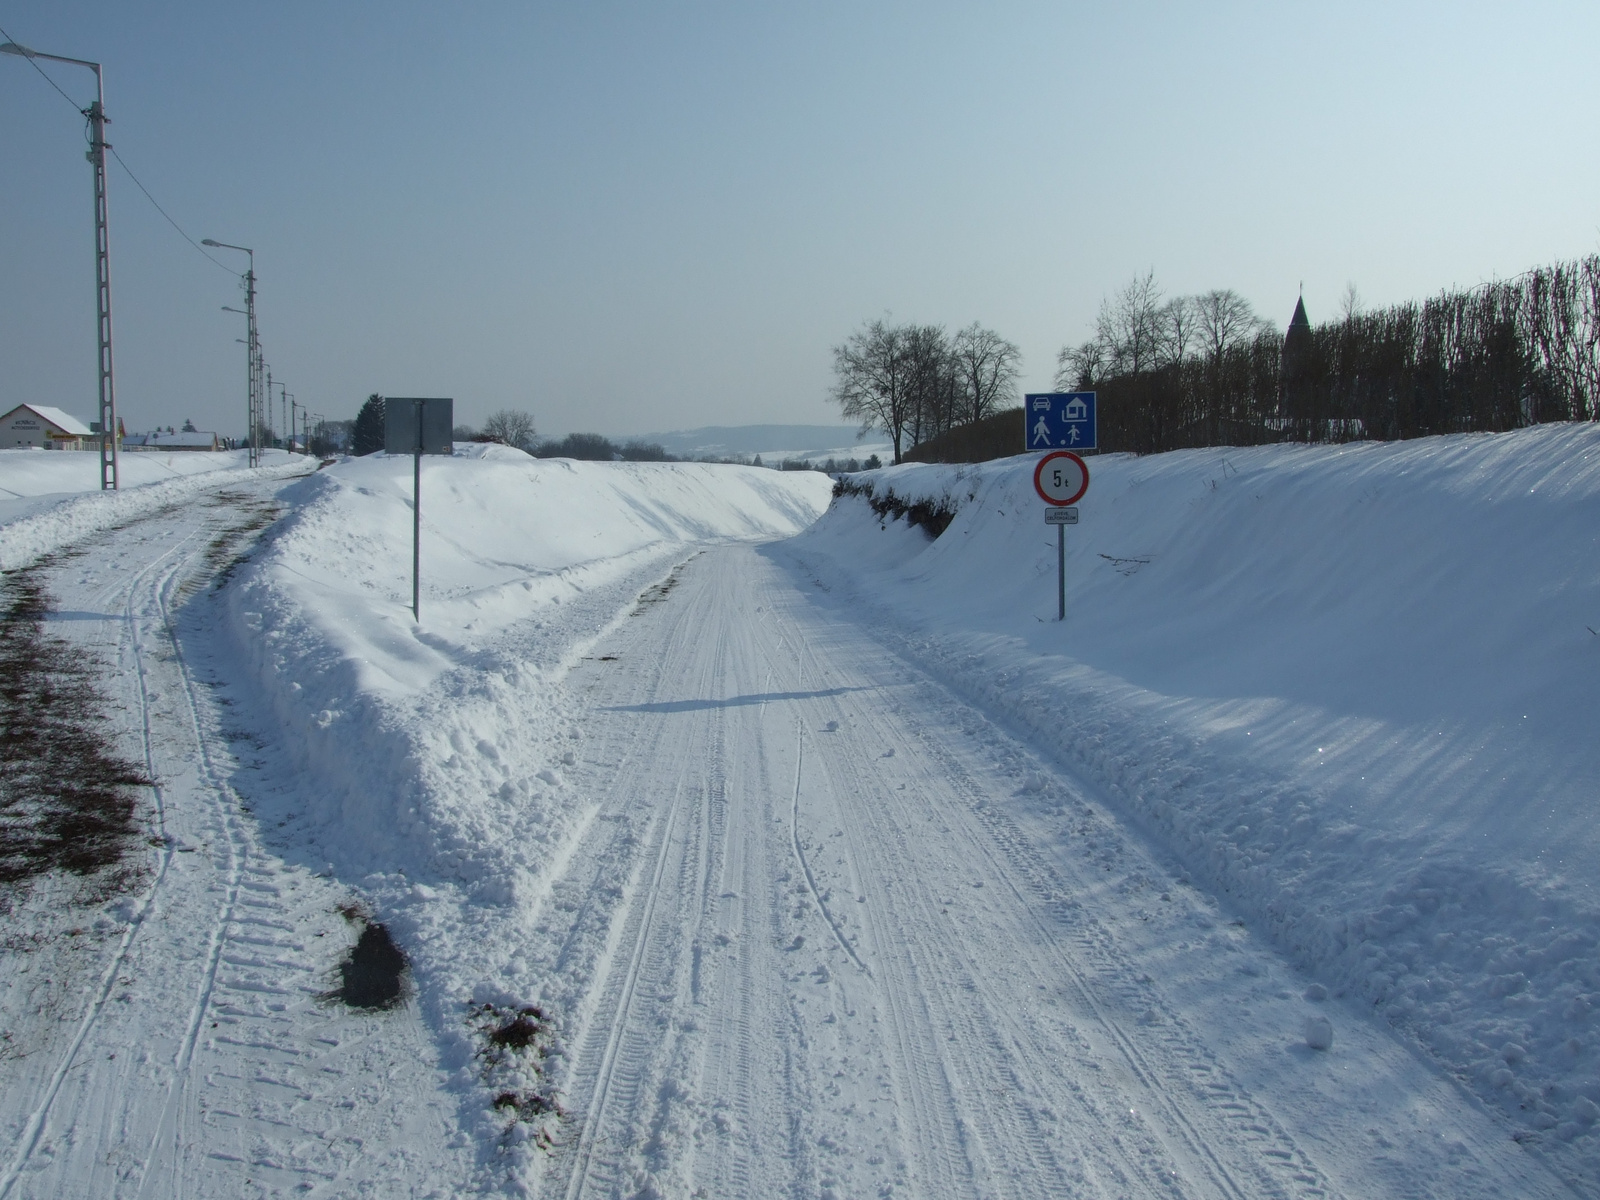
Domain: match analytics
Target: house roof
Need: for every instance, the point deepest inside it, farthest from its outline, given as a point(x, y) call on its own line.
point(65, 422)
point(160, 438)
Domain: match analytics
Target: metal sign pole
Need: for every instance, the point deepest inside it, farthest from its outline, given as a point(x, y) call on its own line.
point(416, 425)
point(416, 522)
point(1061, 572)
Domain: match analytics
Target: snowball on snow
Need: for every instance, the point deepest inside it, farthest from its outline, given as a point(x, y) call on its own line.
point(1319, 1033)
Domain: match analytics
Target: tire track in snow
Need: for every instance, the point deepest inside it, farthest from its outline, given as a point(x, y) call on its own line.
point(607, 1074)
point(151, 1103)
point(640, 921)
point(224, 803)
point(699, 1087)
point(37, 1120)
point(1010, 1043)
point(805, 867)
point(930, 1036)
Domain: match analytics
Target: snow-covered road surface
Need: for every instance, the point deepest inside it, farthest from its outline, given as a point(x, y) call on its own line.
point(819, 939)
point(805, 921)
point(176, 1045)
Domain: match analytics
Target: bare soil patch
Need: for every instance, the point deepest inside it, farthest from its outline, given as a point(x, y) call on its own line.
point(67, 802)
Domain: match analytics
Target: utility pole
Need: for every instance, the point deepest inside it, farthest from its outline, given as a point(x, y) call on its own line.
point(96, 154)
point(102, 269)
point(253, 363)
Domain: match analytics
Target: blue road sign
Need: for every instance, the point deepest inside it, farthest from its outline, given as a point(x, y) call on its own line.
point(1060, 421)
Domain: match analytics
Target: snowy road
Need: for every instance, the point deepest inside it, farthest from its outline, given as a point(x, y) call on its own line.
point(183, 1050)
point(817, 939)
point(821, 928)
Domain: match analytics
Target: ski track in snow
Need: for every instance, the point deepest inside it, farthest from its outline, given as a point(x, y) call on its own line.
point(203, 1063)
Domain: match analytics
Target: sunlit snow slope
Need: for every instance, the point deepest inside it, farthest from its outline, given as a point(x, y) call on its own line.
point(1352, 687)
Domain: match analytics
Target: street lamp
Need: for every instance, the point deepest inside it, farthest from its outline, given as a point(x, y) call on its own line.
point(253, 353)
point(96, 114)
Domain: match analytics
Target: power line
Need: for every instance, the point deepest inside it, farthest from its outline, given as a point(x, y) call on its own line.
point(32, 62)
point(75, 105)
point(217, 262)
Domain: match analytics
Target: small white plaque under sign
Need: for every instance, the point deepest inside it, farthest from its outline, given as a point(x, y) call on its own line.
point(1061, 516)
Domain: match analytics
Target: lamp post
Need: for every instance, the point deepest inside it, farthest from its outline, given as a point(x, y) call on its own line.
point(109, 461)
point(252, 352)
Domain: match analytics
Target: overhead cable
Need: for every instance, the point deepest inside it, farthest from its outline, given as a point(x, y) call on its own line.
point(32, 62)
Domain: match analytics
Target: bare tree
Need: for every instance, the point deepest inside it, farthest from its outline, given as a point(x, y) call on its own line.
point(1082, 367)
point(1350, 302)
point(1178, 328)
point(986, 369)
point(511, 427)
point(1130, 325)
point(872, 380)
point(1223, 320)
point(1130, 335)
point(931, 381)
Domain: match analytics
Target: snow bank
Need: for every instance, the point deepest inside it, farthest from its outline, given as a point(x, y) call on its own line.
point(438, 749)
point(1352, 687)
point(49, 499)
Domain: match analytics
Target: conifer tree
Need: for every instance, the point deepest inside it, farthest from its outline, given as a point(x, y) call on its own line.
point(367, 437)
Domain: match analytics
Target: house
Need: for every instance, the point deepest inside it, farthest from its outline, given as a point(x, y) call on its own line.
point(42, 427)
point(187, 438)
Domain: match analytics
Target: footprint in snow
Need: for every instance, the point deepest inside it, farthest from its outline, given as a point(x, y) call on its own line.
point(831, 727)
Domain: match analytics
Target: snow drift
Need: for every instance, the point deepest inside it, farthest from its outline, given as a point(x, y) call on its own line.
point(435, 751)
point(1351, 687)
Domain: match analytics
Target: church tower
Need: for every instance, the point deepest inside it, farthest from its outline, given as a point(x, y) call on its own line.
point(1294, 362)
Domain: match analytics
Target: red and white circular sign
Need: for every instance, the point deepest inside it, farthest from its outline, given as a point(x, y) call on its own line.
point(1061, 478)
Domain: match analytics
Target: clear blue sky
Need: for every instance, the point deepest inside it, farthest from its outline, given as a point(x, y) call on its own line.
point(633, 217)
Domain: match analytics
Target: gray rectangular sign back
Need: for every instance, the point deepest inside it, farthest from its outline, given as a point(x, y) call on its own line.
point(400, 424)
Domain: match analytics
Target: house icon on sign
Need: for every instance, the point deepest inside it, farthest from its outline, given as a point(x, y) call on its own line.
point(1076, 410)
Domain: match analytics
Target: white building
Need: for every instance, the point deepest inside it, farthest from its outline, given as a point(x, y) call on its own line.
point(184, 439)
point(45, 428)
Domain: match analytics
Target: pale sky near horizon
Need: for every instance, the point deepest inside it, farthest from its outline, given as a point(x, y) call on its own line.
point(640, 217)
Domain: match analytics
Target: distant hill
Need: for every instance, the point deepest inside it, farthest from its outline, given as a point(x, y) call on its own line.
point(729, 440)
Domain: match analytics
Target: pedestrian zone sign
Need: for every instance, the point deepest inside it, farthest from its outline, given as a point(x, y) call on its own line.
point(1060, 421)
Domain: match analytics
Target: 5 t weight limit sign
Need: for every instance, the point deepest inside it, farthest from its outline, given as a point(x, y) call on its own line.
point(1061, 478)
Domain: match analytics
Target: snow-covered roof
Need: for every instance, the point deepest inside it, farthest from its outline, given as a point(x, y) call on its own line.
point(65, 422)
point(160, 438)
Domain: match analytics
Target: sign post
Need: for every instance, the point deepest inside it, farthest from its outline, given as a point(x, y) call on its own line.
point(1060, 421)
point(1061, 479)
point(417, 425)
